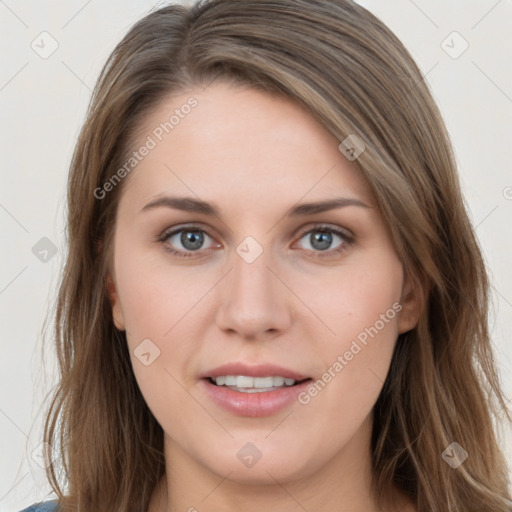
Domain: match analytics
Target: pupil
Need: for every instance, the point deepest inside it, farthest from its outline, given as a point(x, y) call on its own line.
point(194, 239)
point(323, 242)
point(191, 239)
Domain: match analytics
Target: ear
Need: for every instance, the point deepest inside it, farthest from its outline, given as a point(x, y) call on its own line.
point(117, 313)
point(412, 301)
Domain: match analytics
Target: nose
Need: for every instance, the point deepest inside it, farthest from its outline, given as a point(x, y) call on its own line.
point(254, 301)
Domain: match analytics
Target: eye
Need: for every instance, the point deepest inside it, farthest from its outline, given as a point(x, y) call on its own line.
point(190, 238)
point(320, 238)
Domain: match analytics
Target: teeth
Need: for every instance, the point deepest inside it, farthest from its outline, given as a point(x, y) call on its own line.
point(245, 382)
point(230, 380)
point(252, 384)
point(220, 381)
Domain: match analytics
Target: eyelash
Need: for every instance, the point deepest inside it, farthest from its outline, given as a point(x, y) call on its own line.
point(347, 240)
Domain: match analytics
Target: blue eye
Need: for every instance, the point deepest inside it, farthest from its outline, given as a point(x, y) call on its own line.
point(322, 239)
point(192, 239)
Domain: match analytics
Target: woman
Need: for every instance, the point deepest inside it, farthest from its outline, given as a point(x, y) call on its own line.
point(273, 295)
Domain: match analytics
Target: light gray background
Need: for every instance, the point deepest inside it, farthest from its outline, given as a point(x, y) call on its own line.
point(43, 102)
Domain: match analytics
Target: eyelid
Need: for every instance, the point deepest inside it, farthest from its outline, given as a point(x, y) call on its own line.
point(348, 240)
point(323, 226)
point(345, 234)
point(197, 226)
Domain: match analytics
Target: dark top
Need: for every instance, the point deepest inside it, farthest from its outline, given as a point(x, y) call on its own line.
point(45, 506)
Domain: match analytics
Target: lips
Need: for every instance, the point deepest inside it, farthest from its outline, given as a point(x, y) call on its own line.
point(252, 402)
point(260, 370)
point(253, 405)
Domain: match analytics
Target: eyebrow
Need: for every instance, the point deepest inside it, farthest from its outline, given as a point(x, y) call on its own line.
point(190, 204)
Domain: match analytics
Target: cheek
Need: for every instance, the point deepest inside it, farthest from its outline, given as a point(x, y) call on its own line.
point(160, 305)
point(356, 298)
point(155, 295)
point(154, 305)
point(361, 309)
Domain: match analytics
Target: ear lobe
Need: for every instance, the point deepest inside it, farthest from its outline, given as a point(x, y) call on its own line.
point(117, 313)
point(412, 301)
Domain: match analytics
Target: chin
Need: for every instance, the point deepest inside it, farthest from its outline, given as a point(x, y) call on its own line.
point(250, 465)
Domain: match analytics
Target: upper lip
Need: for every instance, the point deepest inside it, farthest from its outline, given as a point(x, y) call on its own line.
point(254, 370)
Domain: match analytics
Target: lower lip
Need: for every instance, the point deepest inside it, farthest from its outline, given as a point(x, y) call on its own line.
point(253, 405)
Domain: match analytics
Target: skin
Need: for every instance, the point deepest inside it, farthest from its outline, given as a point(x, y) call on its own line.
point(256, 155)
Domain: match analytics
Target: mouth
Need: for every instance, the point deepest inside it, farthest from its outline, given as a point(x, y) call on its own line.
point(248, 384)
point(253, 390)
point(254, 395)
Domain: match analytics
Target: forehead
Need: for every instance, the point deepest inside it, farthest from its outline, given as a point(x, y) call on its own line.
point(238, 142)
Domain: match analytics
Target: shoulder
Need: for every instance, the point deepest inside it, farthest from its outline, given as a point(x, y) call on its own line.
point(44, 506)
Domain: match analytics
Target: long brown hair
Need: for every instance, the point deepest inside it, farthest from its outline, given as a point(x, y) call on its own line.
point(353, 74)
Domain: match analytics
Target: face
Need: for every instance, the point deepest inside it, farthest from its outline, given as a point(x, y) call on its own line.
point(220, 307)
